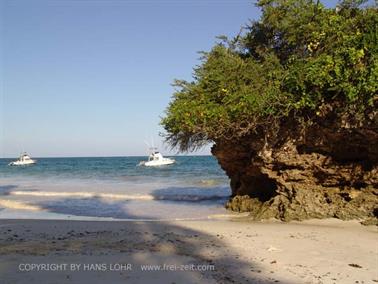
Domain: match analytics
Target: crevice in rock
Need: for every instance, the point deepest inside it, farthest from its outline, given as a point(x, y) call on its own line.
point(261, 187)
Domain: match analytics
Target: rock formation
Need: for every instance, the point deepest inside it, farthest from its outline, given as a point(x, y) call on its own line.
point(324, 169)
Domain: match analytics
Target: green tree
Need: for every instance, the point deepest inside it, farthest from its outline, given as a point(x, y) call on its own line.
point(297, 58)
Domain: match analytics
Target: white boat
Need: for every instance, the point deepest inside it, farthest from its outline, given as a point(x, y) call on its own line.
point(23, 160)
point(156, 159)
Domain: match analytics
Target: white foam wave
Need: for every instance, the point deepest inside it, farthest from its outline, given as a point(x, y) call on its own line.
point(11, 204)
point(83, 194)
point(145, 197)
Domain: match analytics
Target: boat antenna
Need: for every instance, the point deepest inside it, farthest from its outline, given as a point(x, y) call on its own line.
point(149, 148)
point(153, 144)
point(148, 145)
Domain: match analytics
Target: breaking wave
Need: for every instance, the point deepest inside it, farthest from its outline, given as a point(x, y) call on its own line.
point(11, 204)
point(115, 196)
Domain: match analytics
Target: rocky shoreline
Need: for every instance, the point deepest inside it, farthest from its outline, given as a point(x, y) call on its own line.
point(325, 169)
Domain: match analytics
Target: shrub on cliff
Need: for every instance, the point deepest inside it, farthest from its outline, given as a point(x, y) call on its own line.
point(299, 57)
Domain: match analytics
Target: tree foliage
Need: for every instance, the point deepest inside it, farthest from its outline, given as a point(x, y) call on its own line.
point(297, 57)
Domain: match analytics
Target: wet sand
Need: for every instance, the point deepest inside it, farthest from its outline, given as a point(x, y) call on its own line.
point(214, 251)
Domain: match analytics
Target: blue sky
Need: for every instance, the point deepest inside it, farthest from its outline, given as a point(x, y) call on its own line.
point(93, 77)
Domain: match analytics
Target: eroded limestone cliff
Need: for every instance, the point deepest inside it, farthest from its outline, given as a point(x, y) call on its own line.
point(325, 169)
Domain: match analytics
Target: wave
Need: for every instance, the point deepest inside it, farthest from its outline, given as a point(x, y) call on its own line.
point(145, 197)
point(83, 194)
point(188, 197)
point(210, 182)
point(11, 204)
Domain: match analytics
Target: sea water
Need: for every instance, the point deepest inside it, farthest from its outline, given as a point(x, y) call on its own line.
point(113, 188)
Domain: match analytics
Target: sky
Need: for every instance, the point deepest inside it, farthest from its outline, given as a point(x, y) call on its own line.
point(93, 77)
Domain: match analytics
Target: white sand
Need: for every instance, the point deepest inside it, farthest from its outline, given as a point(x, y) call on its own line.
point(319, 251)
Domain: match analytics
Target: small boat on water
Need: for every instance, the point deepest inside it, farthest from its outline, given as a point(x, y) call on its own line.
point(156, 159)
point(23, 160)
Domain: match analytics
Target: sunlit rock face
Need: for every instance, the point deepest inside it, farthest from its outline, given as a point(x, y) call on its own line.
point(298, 171)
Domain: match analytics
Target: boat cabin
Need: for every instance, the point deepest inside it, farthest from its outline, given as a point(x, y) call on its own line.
point(155, 156)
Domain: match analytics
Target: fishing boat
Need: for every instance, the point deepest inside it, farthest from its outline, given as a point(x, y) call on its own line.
point(156, 159)
point(23, 160)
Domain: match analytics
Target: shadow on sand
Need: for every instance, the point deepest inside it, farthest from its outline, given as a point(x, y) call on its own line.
point(170, 252)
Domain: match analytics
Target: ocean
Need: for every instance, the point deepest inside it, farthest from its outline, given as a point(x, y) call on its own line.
point(113, 188)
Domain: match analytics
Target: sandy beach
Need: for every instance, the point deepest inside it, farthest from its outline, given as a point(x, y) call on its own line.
point(214, 251)
point(174, 142)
